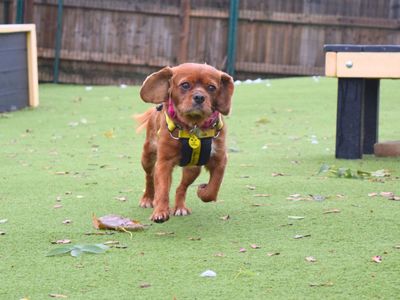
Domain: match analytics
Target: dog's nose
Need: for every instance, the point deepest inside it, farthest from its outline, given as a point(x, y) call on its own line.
point(198, 98)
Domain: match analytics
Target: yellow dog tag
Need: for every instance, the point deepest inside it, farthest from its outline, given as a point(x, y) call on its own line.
point(194, 141)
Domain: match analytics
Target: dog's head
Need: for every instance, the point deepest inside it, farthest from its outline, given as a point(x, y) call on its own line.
point(196, 90)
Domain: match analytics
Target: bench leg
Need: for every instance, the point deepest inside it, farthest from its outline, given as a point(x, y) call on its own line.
point(349, 125)
point(371, 114)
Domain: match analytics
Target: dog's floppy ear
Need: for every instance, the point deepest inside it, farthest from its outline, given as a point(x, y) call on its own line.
point(155, 88)
point(225, 94)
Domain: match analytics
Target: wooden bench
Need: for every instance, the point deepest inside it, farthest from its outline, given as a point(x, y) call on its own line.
point(359, 69)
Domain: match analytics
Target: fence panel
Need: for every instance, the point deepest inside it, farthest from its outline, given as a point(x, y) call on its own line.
point(121, 41)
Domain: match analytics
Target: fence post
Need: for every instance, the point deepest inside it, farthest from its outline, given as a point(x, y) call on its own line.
point(232, 34)
point(57, 49)
point(184, 36)
point(19, 18)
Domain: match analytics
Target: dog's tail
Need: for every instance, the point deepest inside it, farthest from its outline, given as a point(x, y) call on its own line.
point(143, 119)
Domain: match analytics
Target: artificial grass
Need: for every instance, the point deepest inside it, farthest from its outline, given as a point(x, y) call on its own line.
point(79, 149)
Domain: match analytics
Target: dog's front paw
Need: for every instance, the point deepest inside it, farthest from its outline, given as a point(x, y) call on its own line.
point(182, 211)
point(160, 216)
point(204, 193)
point(146, 202)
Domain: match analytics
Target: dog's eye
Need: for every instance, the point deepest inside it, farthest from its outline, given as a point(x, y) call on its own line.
point(185, 85)
point(211, 88)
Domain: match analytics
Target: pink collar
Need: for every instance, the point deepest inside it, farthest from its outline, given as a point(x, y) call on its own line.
point(209, 123)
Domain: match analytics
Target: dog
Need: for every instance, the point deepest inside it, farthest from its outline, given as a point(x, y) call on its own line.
point(185, 128)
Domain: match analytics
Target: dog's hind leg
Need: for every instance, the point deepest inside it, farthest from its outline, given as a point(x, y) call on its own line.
point(148, 160)
point(189, 175)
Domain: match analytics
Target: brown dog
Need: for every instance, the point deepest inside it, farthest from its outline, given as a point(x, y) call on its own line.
point(186, 129)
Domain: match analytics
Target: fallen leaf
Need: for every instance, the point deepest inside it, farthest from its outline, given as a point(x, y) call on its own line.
point(262, 195)
point(242, 250)
point(386, 194)
point(109, 133)
point(121, 198)
point(254, 246)
point(2, 233)
point(219, 254)
point(195, 239)
point(161, 233)
point(296, 217)
point(225, 218)
point(61, 242)
point(300, 236)
point(66, 222)
point(326, 284)
point(397, 247)
point(115, 222)
point(56, 206)
point(250, 187)
point(208, 273)
point(261, 204)
point(332, 211)
point(377, 258)
point(372, 194)
point(79, 196)
point(277, 174)
point(57, 296)
point(3, 221)
point(311, 259)
point(111, 243)
point(62, 173)
point(145, 285)
point(273, 253)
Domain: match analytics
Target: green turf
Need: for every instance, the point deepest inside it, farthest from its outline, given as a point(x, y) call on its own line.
point(80, 147)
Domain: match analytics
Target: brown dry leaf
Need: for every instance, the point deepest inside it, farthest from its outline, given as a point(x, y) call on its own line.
point(109, 133)
point(255, 246)
point(121, 198)
point(61, 173)
point(195, 238)
point(111, 243)
point(332, 211)
point(262, 195)
point(277, 174)
point(219, 254)
point(67, 221)
point(61, 242)
point(311, 259)
point(326, 284)
point(372, 194)
point(161, 233)
point(115, 222)
point(145, 285)
point(273, 253)
point(300, 236)
point(250, 187)
point(225, 218)
point(57, 296)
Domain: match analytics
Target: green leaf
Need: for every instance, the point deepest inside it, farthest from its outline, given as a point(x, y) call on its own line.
point(60, 250)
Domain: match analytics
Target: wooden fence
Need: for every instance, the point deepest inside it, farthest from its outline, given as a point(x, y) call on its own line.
point(121, 41)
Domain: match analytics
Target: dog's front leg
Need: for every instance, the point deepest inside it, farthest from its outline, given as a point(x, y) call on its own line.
point(209, 192)
point(162, 183)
